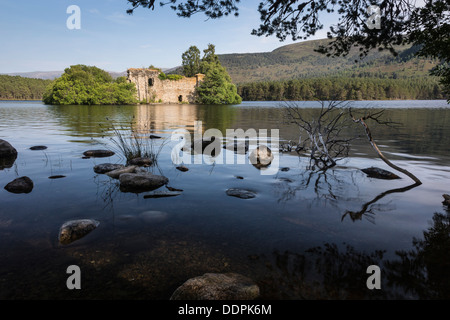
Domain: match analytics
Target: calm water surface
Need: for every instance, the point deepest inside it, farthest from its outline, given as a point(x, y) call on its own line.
point(305, 234)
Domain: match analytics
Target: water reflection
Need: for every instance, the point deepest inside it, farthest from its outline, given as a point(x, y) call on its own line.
point(332, 271)
point(368, 208)
point(85, 121)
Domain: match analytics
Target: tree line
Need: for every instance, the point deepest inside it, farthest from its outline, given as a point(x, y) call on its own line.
point(338, 88)
point(21, 88)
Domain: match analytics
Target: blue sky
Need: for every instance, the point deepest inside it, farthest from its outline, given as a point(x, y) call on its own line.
point(35, 36)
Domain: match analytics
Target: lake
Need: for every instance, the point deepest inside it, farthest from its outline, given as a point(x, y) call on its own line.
point(305, 235)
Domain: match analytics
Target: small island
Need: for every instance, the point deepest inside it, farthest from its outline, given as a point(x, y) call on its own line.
point(204, 81)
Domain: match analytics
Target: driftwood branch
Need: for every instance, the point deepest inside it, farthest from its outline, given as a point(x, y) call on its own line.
point(376, 117)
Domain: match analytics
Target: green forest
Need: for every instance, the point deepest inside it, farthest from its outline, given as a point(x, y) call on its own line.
point(20, 88)
point(342, 88)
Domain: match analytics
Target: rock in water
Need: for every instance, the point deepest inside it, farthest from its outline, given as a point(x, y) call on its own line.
point(6, 149)
point(106, 167)
point(20, 185)
point(140, 182)
point(142, 161)
point(115, 174)
point(217, 286)
point(183, 168)
point(261, 157)
point(73, 230)
point(241, 193)
point(8, 154)
point(98, 153)
point(38, 148)
point(378, 173)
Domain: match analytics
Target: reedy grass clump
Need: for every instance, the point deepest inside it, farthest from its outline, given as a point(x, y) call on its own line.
point(134, 142)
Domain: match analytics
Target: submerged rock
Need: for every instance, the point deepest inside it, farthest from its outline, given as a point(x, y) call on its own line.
point(98, 153)
point(107, 167)
point(38, 148)
point(374, 172)
point(241, 193)
point(140, 182)
point(261, 157)
point(20, 185)
point(115, 174)
point(153, 216)
point(217, 286)
point(162, 194)
point(73, 230)
point(8, 154)
point(58, 176)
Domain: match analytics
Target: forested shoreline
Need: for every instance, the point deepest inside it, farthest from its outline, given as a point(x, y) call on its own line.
point(337, 88)
point(342, 88)
point(21, 88)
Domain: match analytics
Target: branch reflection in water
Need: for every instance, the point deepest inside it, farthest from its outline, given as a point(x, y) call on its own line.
point(336, 187)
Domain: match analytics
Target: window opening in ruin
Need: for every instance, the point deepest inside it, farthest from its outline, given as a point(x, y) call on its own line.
point(150, 82)
point(180, 98)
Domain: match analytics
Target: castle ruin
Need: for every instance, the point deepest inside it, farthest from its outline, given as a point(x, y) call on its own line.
point(151, 88)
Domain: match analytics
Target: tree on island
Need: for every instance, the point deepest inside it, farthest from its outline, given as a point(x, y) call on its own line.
point(217, 87)
point(401, 22)
point(88, 85)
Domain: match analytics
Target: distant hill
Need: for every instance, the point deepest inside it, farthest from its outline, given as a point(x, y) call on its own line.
point(46, 75)
point(299, 60)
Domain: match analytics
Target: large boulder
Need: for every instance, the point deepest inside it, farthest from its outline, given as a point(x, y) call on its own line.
point(217, 286)
point(73, 230)
point(8, 154)
point(20, 185)
point(140, 182)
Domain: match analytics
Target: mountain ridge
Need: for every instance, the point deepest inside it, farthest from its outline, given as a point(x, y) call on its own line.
point(299, 60)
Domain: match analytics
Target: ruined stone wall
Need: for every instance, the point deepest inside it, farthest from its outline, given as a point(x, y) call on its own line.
point(152, 89)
